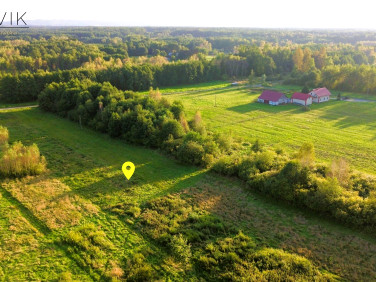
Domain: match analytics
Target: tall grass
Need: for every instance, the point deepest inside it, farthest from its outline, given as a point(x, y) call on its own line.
point(19, 160)
point(4, 136)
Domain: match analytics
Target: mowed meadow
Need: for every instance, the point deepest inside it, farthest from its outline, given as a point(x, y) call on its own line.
point(43, 218)
point(336, 128)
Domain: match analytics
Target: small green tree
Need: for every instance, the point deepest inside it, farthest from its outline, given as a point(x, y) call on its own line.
point(256, 147)
point(181, 248)
point(171, 127)
point(305, 89)
point(251, 78)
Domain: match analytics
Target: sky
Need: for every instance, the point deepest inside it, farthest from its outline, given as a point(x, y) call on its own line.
point(359, 14)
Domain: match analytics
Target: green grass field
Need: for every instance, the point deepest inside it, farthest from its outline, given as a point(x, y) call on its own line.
point(193, 88)
point(84, 180)
point(336, 128)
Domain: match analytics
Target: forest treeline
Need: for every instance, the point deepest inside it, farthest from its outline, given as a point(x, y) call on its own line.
point(153, 121)
point(27, 86)
point(220, 38)
point(134, 61)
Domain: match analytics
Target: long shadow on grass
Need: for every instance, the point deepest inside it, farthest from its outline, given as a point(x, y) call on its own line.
point(346, 114)
point(146, 183)
point(25, 212)
point(256, 106)
point(220, 91)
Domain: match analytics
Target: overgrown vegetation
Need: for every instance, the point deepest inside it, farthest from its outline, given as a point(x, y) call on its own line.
point(347, 196)
point(215, 251)
point(18, 160)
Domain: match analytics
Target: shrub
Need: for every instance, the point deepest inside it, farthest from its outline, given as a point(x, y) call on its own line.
point(257, 147)
point(277, 263)
point(90, 247)
point(247, 168)
point(237, 259)
point(306, 155)
point(224, 142)
point(138, 269)
point(191, 152)
point(226, 165)
point(180, 247)
point(340, 169)
point(19, 160)
point(364, 185)
point(171, 145)
point(4, 135)
point(264, 161)
point(177, 109)
point(114, 125)
point(171, 127)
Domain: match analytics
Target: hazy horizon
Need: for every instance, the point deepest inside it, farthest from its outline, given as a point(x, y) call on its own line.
point(290, 14)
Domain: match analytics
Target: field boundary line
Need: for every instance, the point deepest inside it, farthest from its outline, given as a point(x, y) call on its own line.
point(16, 108)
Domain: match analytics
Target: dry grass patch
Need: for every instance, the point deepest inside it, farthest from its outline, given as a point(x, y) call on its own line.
point(17, 236)
point(50, 200)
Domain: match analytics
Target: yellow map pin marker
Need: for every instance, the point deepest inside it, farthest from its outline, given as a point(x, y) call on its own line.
point(128, 169)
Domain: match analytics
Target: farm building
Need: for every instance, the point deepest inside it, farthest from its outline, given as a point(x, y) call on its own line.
point(273, 98)
point(320, 95)
point(301, 98)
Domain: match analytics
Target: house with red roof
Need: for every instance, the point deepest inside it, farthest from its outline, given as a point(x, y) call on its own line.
point(301, 99)
point(273, 98)
point(320, 95)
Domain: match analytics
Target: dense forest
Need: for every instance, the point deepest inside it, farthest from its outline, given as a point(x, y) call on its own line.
point(137, 58)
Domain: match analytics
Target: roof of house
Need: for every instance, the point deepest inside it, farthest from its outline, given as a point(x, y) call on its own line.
point(320, 92)
point(300, 96)
point(271, 95)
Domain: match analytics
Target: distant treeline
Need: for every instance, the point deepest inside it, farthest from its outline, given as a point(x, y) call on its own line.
point(26, 86)
point(23, 87)
point(219, 37)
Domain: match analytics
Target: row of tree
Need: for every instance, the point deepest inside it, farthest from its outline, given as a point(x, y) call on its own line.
point(146, 120)
point(26, 86)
